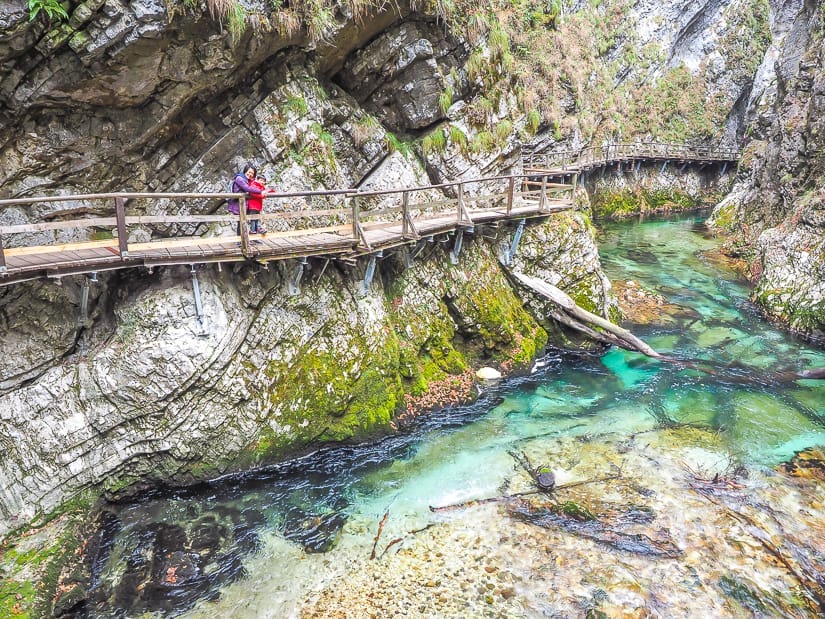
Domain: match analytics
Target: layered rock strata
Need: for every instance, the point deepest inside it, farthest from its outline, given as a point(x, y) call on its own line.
point(775, 215)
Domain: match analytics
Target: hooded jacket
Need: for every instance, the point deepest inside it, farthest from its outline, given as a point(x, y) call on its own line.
point(241, 185)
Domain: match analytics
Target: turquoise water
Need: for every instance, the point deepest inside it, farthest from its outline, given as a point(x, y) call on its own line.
point(294, 540)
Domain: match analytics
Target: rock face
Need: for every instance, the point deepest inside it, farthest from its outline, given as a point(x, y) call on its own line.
point(656, 188)
point(775, 215)
point(152, 399)
point(671, 72)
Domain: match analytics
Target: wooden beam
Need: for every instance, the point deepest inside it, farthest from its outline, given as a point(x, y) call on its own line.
point(354, 207)
point(244, 227)
point(51, 249)
point(122, 237)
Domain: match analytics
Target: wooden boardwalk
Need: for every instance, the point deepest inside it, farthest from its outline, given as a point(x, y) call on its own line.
point(330, 224)
point(341, 224)
point(579, 161)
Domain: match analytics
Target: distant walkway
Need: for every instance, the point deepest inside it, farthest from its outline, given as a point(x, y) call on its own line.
point(579, 161)
point(340, 225)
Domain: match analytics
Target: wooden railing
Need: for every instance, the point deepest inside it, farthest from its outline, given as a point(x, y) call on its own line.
point(298, 223)
point(594, 156)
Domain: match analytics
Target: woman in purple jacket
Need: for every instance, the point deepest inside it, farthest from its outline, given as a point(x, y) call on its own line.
point(241, 185)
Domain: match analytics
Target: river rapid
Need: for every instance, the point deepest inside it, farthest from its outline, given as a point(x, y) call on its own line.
point(689, 510)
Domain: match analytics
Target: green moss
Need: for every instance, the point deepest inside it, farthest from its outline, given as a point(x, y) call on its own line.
point(635, 201)
point(509, 335)
point(323, 396)
point(724, 217)
point(433, 359)
point(576, 511)
point(582, 294)
point(31, 560)
point(16, 598)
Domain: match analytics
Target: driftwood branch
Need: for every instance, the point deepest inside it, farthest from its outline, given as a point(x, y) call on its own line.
point(378, 534)
point(397, 540)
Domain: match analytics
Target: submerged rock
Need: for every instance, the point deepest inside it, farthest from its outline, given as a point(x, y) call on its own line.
point(809, 463)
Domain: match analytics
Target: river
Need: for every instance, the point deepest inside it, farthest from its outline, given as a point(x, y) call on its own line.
point(696, 518)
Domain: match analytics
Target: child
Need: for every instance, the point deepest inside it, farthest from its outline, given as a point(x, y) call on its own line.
point(255, 204)
point(242, 183)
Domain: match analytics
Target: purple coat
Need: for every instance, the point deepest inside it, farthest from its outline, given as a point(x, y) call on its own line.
point(240, 185)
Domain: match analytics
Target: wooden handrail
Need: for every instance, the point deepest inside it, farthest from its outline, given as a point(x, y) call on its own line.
point(631, 150)
point(457, 208)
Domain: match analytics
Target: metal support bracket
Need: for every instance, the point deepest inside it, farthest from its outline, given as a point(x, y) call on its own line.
point(664, 167)
point(83, 317)
point(370, 273)
point(459, 238)
point(510, 250)
point(408, 257)
point(293, 282)
point(724, 168)
point(196, 290)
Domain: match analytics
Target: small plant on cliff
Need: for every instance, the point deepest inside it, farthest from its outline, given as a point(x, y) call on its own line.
point(51, 8)
point(458, 137)
point(394, 145)
point(445, 99)
point(236, 20)
point(533, 121)
point(435, 142)
point(297, 104)
point(364, 129)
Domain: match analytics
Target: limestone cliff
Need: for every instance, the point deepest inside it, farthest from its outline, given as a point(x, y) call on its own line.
point(145, 397)
point(775, 215)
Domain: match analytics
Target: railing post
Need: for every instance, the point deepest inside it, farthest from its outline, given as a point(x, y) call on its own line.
point(355, 234)
point(120, 215)
point(460, 208)
point(2, 257)
point(243, 225)
point(543, 198)
point(511, 189)
point(405, 213)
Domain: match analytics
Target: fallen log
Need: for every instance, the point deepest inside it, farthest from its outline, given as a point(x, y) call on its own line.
point(579, 319)
point(565, 302)
point(584, 524)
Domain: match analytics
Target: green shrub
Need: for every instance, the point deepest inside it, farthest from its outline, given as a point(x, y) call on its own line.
point(53, 9)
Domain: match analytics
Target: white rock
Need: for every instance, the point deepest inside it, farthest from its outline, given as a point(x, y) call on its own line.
point(488, 374)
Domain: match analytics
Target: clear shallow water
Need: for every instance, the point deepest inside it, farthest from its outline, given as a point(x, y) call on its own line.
point(295, 539)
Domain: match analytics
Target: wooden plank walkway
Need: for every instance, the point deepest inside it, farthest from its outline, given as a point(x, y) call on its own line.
point(578, 161)
point(355, 223)
point(364, 232)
